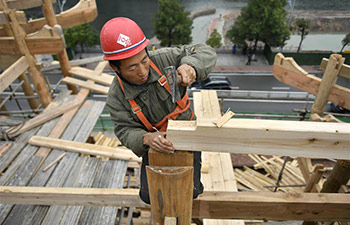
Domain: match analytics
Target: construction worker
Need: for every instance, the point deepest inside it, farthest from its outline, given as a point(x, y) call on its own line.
point(139, 98)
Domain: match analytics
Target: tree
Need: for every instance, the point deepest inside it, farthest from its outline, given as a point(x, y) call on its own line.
point(261, 20)
point(303, 27)
point(83, 35)
point(171, 23)
point(345, 41)
point(214, 40)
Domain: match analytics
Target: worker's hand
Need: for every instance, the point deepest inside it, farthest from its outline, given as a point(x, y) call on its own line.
point(158, 142)
point(186, 74)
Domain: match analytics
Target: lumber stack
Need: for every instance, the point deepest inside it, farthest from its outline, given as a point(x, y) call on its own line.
point(266, 180)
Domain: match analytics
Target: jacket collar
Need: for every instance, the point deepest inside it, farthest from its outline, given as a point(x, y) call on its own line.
point(132, 91)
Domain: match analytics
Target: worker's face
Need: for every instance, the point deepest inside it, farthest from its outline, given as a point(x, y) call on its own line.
point(135, 69)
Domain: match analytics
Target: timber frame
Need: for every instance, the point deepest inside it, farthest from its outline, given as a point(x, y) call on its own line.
point(298, 139)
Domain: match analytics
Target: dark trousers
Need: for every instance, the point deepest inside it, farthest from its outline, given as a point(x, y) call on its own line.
point(197, 185)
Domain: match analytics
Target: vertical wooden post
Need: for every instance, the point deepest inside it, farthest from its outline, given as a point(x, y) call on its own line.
point(341, 171)
point(62, 56)
point(27, 89)
point(328, 80)
point(170, 184)
point(35, 74)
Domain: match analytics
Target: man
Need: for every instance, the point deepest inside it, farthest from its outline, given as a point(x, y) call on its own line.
point(139, 98)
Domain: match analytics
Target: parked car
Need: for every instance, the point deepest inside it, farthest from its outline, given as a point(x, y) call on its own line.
point(338, 109)
point(213, 82)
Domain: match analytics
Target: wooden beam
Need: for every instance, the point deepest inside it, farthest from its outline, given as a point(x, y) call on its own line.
point(85, 148)
point(70, 196)
point(211, 205)
point(25, 4)
point(344, 69)
point(35, 74)
point(85, 84)
point(269, 137)
point(260, 205)
point(40, 119)
point(12, 73)
point(21, 17)
point(46, 41)
point(102, 78)
point(289, 72)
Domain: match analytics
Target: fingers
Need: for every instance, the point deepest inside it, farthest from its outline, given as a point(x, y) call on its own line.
point(188, 74)
point(158, 142)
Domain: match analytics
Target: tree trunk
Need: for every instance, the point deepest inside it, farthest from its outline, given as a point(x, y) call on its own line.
point(301, 40)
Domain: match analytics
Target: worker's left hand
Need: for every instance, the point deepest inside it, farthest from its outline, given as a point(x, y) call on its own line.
point(186, 74)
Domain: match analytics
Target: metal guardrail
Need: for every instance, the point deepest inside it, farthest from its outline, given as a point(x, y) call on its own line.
point(273, 95)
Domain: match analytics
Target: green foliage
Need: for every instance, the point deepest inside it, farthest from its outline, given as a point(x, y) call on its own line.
point(214, 40)
point(261, 20)
point(303, 27)
point(345, 41)
point(83, 35)
point(171, 23)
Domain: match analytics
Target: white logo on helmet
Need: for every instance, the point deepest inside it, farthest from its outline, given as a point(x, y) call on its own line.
point(124, 40)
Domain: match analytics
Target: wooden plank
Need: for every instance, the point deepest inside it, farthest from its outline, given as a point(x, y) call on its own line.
point(40, 45)
point(170, 220)
point(67, 171)
point(12, 73)
point(102, 78)
point(86, 148)
point(25, 4)
point(287, 71)
point(85, 84)
point(41, 118)
point(76, 62)
point(258, 205)
point(224, 205)
point(220, 175)
point(111, 175)
point(344, 69)
point(21, 17)
point(272, 137)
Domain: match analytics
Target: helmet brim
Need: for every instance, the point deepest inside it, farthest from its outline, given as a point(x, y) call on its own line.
point(127, 54)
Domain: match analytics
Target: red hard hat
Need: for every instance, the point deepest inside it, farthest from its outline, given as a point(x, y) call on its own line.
point(121, 38)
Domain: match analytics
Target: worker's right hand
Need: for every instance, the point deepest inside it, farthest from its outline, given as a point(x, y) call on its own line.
point(158, 142)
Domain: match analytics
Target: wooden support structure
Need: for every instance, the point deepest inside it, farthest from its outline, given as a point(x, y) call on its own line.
point(271, 137)
point(83, 12)
point(289, 72)
point(219, 175)
point(210, 205)
point(34, 72)
point(170, 184)
point(61, 55)
point(48, 40)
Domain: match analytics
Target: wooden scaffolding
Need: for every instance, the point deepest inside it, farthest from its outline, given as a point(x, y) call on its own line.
point(48, 186)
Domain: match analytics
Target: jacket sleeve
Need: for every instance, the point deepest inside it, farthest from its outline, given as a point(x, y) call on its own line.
point(200, 56)
point(128, 131)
